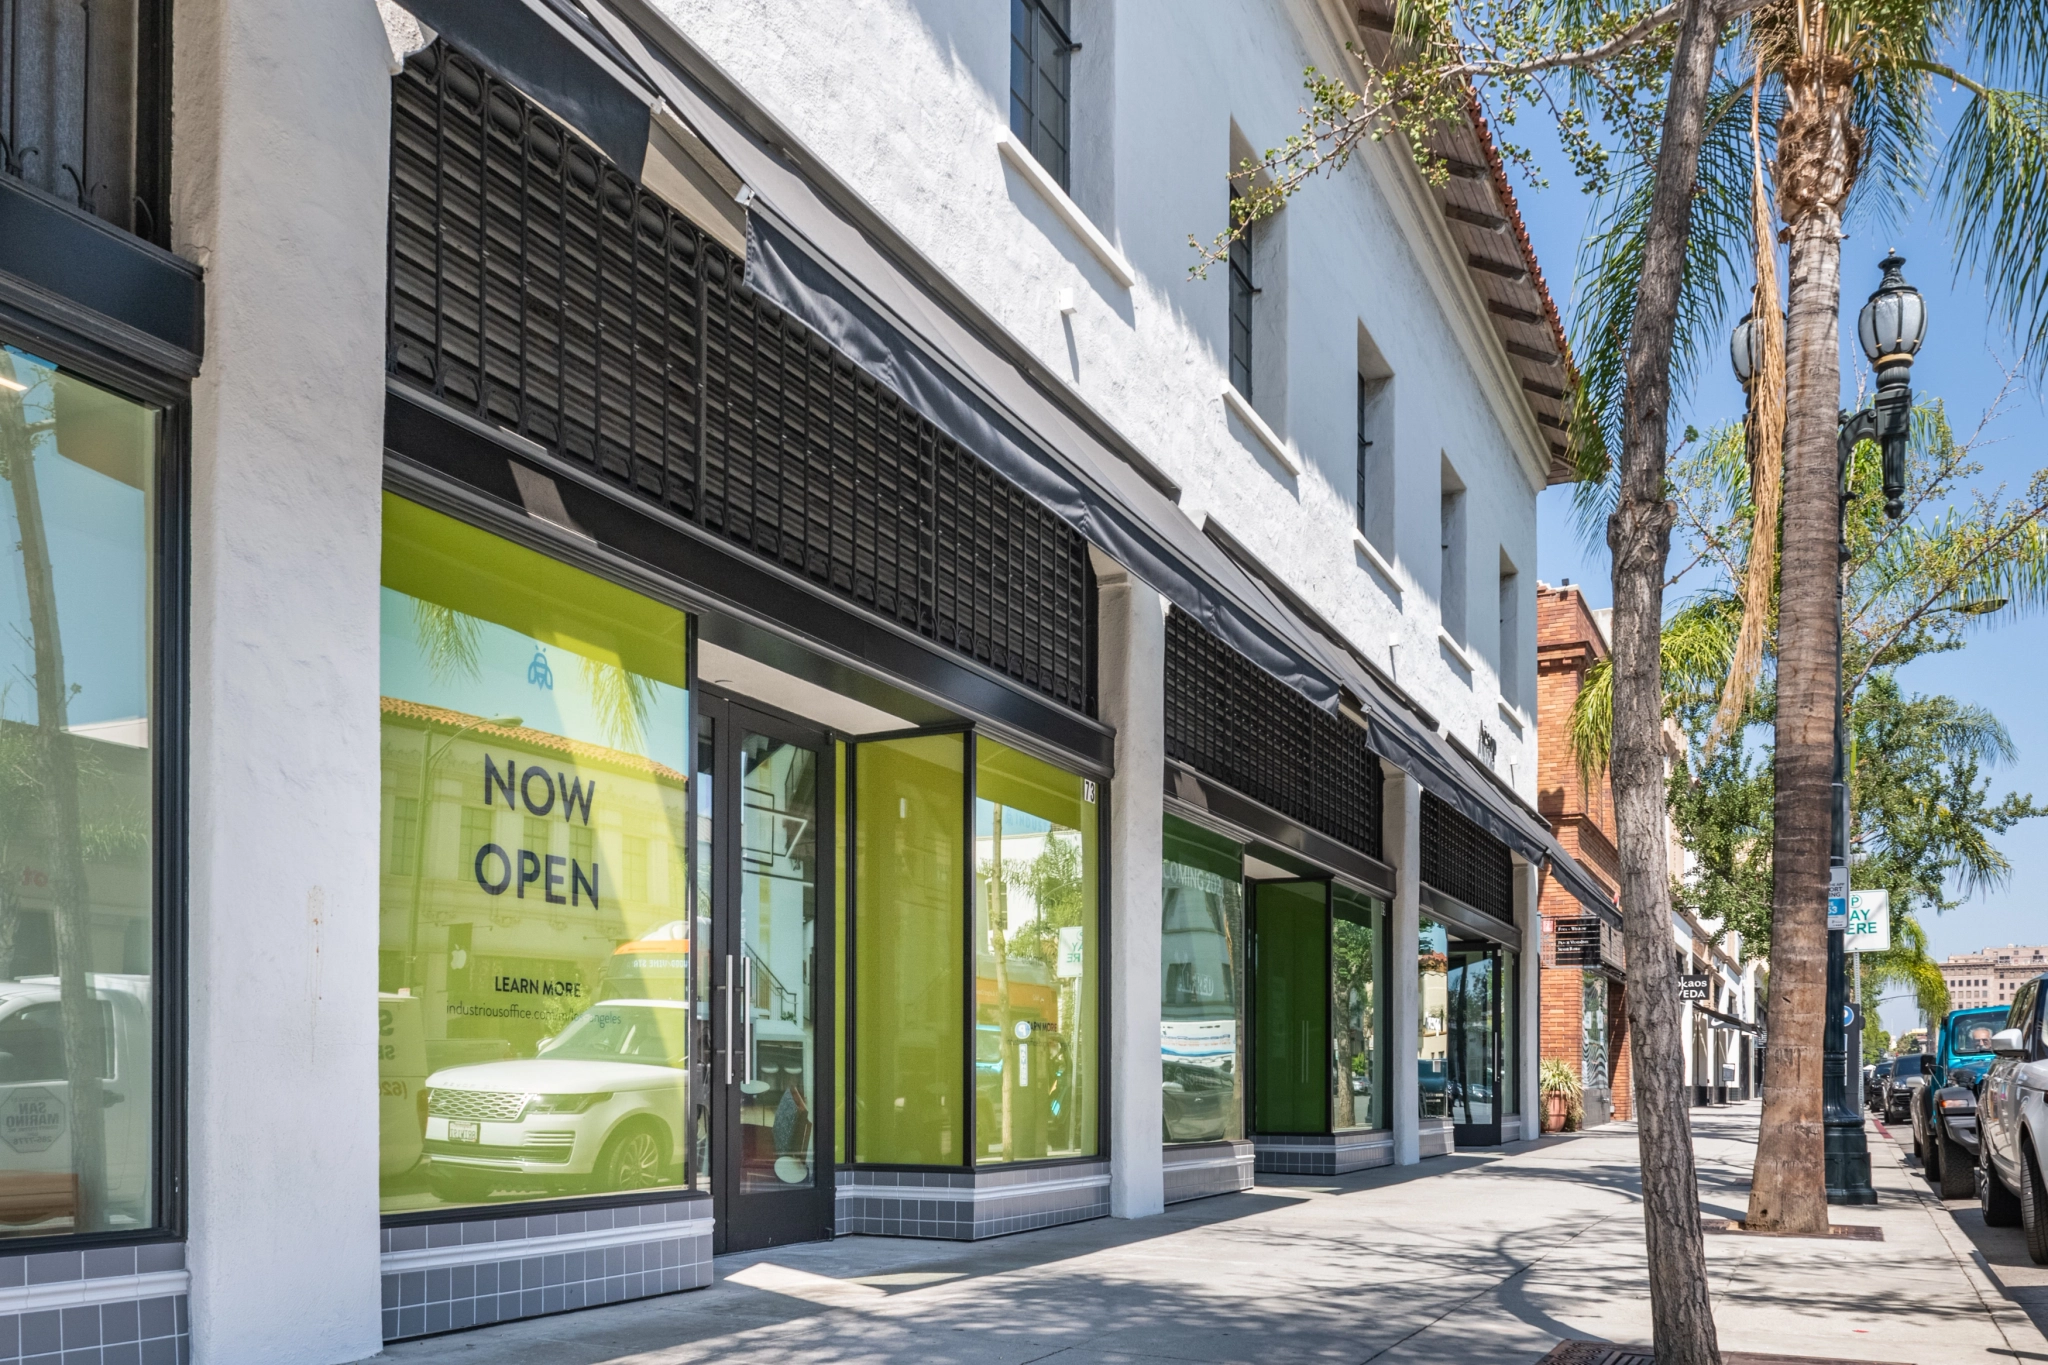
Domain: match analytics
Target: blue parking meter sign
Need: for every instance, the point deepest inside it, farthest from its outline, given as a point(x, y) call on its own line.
point(1838, 898)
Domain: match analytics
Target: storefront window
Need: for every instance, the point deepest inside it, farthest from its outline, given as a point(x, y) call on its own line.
point(78, 1136)
point(534, 983)
point(909, 923)
point(1593, 1032)
point(1357, 1010)
point(1036, 958)
point(1201, 985)
point(1471, 988)
point(1291, 1003)
point(1433, 1046)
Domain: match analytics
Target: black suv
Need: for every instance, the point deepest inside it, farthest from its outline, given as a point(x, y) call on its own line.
point(1909, 1073)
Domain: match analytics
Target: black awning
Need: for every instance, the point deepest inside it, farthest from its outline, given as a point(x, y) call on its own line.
point(542, 50)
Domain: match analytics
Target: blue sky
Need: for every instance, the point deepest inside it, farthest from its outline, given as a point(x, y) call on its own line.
point(1963, 361)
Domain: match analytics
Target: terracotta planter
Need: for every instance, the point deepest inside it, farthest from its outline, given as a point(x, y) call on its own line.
point(1555, 1107)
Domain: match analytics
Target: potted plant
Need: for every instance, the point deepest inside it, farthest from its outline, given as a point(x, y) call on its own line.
point(1559, 1084)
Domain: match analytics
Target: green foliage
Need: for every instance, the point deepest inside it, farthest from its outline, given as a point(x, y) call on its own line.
point(1557, 1077)
point(1922, 813)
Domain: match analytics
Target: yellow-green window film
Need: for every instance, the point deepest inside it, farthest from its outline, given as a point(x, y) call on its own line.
point(78, 732)
point(1036, 959)
point(1290, 994)
point(909, 922)
point(1357, 1010)
point(533, 993)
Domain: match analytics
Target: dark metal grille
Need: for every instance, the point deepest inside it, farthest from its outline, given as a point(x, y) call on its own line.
point(1464, 861)
point(85, 106)
point(1230, 719)
point(536, 286)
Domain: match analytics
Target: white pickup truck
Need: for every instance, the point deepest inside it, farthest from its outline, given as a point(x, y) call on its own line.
point(2012, 1122)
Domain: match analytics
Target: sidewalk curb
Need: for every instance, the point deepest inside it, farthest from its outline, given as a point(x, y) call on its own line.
point(2011, 1320)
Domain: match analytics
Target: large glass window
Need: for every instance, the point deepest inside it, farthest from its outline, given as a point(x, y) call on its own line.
point(1510, 1032)
point(909, 922)
point(1291, 1004)
point(1036, 958)
point(1040, 64)
point(1357, 1010)
point(1201, 985)
point(1433, 1045)
point(534, 982)
point(78, 1139)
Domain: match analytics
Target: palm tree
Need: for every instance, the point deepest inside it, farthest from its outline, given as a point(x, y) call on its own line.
point(1845, 93)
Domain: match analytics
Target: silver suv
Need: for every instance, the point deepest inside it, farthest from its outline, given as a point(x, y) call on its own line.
point(2012, 1123)
point(601, 1108)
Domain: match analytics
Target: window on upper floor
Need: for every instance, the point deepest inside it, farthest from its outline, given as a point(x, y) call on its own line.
point(1242, 294)
point(86, 113)
point(1375, 446)
point(1510, 632)
point(1451, 541)
point(1041, 71)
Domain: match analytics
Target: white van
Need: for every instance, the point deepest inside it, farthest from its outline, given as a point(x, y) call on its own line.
point(35, 1102)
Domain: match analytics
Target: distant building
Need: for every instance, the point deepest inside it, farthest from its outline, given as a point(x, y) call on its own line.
point(1991, 975)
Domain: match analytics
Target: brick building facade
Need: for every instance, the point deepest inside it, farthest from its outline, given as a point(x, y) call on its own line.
point(1570, 639)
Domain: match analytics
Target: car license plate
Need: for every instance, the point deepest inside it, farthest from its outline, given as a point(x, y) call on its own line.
point(460, 1130)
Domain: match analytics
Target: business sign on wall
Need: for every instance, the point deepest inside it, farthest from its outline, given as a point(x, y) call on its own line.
point(1696, 990)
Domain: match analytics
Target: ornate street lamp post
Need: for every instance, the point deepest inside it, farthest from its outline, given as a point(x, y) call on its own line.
point(1890, 327)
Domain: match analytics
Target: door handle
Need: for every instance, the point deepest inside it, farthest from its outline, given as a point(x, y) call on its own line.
point(748, 979)
point(728, 1018)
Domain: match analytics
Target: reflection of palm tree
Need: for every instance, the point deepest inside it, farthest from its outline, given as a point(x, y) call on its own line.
point(621, 699)
point(58, 764)
point(451, 642)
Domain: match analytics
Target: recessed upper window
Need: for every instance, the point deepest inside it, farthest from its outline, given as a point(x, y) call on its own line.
point(1040, 68)
point(1242, 292)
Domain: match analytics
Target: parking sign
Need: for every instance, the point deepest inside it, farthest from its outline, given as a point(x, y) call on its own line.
point(1870, 922)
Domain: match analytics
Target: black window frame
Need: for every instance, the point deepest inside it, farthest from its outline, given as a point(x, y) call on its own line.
point(1243, 291)
point(55, 338)
point(1041, 55)
point(1364, 450)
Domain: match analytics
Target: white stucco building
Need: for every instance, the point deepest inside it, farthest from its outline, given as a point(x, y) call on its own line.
point(693, 597)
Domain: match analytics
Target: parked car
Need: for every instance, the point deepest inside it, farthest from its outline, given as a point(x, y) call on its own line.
point(1945, 1109)
point(1909, 1073)
point(601, 1108)
point(2012, 1121)
point(1873, 1084)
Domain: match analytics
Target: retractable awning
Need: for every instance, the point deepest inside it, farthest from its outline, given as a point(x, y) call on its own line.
point(817, 251)
point(871, 301)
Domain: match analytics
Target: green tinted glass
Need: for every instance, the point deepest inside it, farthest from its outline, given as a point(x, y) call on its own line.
point(1357, 1010)
point(1201, 985)
point(1036, 958)
point(534, 979)
point(910, 890)
point(1290, 993)
point(78, 742)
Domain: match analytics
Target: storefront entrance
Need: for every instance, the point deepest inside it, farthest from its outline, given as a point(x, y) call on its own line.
point(765, 825)
point(1476, 1086)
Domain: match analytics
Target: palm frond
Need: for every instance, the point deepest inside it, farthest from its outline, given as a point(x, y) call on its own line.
point(1993, 186)
point(451, 642)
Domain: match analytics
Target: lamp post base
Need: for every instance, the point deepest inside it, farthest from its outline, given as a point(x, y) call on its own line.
point(1848, 1162)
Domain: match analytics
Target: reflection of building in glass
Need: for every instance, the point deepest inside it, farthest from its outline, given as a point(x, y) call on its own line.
point(1201, 986)
point(1433, 1045)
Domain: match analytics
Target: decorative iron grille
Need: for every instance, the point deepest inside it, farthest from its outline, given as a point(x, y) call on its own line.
point(85, 105)
point(1230, 719)
point(539, 288)
point(1464, 861)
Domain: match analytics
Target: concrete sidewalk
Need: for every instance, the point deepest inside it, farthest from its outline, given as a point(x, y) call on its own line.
point(1482, 1258)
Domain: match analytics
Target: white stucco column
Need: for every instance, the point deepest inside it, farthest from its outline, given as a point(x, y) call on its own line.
point(281, 145)
point(1131, 687)
point(1528, 892)
point(1402, 838)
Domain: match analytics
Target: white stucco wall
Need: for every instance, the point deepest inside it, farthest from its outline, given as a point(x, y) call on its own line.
point(282, 131)
point(902, 98)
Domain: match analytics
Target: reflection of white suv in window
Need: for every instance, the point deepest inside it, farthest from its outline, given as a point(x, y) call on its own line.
point(601, 1108)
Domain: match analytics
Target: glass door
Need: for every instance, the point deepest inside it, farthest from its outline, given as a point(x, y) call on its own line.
point(1472, 989)
point(769, 1121)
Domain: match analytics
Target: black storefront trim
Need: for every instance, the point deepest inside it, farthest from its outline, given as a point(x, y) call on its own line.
point(441, 458)
point(72, 278)
point(1208, 801)
point(1455, 914)
point(135, 378)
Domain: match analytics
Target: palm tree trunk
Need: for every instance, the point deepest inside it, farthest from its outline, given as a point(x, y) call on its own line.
point(1816, 158)
point(1639, 536)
